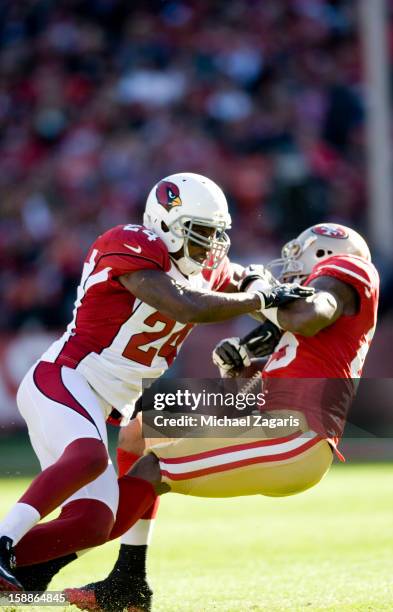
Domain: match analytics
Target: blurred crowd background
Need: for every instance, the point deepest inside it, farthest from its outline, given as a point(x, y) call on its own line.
point(101, 98)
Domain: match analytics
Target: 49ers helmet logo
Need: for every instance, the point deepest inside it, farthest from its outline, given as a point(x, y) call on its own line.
point(168, 195)
point(330, 231)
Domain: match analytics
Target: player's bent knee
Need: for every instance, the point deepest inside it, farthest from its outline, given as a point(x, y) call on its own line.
point(91, 455)
point(304, 473)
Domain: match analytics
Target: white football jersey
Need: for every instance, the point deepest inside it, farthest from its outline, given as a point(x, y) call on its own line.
point(114, 339)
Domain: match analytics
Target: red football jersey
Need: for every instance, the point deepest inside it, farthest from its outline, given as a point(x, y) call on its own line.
point(332, 357)
point(114, 339)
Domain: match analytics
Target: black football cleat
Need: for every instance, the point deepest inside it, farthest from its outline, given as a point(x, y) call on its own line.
point(8, 581)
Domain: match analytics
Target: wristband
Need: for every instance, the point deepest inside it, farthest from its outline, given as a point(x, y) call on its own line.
point(271, 314)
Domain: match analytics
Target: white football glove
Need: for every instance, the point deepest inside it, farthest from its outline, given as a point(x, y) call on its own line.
point(230, 357)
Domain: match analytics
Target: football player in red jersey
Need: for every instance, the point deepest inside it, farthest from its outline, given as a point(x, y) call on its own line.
point(332, 344)
point(142, 289)
point(324, 337)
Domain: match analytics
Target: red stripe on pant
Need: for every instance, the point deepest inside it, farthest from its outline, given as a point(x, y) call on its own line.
point(236, 447)
point(238, 464)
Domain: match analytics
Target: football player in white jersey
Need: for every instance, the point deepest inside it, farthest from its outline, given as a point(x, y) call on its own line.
point(142, 290)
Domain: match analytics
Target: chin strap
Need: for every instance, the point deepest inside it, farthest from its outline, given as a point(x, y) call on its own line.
point(186, 266)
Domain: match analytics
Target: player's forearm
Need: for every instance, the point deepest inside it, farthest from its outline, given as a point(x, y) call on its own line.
point(310, 316)
point(184, 304)
point(214, 307)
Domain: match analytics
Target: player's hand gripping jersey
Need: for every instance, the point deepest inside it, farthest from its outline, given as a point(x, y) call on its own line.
point(114, 339)
point(337, 352)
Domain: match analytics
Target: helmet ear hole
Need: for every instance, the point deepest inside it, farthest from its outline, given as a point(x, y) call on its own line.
point(330, 252)
point(164, 227)
point(320, 253)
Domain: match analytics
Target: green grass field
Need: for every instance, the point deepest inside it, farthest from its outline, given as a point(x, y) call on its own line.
point(330, 548)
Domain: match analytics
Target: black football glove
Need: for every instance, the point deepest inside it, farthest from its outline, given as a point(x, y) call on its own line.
point(257, 279)
point(230, 356)
point(262, 340)
point(283, 294)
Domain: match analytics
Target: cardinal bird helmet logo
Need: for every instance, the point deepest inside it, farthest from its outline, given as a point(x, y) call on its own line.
point(331, 231)
point(168, 195)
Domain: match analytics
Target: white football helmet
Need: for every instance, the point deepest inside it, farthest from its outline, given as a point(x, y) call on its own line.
point(179, 203)
point(299, 256)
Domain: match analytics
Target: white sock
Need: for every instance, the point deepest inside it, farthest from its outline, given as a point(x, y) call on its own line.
point(139, 534)
point(19, 520)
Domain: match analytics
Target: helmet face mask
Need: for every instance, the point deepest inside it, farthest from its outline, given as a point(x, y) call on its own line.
point(299, 256)
point(216, 245)
point(289, 267)
point(178, 210)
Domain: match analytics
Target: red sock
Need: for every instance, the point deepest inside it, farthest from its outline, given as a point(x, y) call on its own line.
point(81, 462)
point(151, 512)
point(136, 496)
point(125, 460)
point(83, 523)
